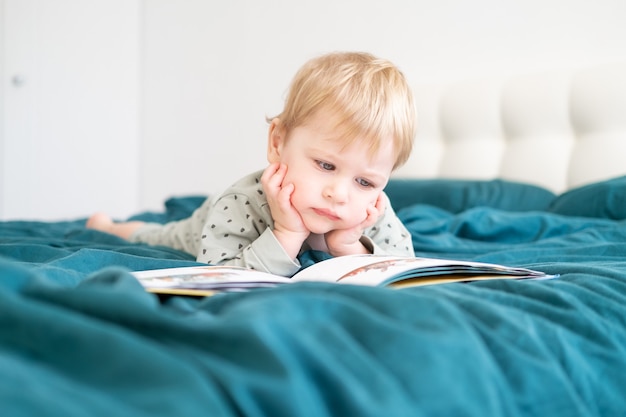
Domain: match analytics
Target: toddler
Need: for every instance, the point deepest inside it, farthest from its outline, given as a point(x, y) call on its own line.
point(347, 123)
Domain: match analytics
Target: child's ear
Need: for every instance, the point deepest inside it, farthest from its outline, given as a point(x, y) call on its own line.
point(275, 140)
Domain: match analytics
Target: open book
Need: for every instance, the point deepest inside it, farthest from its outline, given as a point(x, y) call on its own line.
point(372, 270)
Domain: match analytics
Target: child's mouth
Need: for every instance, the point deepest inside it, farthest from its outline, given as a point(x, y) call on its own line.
point(326, 213)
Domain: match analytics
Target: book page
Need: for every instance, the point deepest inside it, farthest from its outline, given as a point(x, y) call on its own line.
point(369, 270)
point(210, 276)
point(362, 269)
point(381, 270)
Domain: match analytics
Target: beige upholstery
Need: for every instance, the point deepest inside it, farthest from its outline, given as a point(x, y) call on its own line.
point(557, 129)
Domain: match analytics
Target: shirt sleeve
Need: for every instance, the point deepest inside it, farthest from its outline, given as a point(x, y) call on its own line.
point(238, 233)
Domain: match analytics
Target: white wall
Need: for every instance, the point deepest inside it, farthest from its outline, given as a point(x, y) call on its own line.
point(209, 73)
point(70, 99)
point(2, 84)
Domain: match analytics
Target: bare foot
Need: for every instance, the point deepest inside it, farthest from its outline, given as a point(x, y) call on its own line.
point(100, 221)
point(104, 223)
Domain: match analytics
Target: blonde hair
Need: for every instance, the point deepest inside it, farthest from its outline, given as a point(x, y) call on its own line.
point(368, 96)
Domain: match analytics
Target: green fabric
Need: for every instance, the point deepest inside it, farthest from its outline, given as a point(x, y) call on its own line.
point(79, 336)
point(604, 199)
point(459, 195)
point(106, 347)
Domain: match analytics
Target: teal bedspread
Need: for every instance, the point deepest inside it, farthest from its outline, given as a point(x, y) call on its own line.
point(80, 337)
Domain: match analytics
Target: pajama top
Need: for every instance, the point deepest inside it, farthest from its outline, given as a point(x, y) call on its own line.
point(235, 228)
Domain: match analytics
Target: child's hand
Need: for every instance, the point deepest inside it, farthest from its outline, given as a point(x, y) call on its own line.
point(289, 228)
point(342, 242)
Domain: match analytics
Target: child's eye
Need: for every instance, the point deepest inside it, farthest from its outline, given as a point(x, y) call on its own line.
point(325, 165)
point(364, 183)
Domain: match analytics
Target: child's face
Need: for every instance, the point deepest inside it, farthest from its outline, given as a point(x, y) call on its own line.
point(334, 184)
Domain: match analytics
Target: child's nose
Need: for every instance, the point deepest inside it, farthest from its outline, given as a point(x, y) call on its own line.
point(336, 191)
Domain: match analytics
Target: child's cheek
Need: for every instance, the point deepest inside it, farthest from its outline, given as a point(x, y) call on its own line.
point(359, 217)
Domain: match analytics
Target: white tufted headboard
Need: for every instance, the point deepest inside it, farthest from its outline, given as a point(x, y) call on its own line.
point(558, 129)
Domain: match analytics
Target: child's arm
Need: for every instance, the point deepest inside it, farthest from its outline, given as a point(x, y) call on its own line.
point(238, 232)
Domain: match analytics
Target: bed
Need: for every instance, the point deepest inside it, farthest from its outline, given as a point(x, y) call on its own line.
point(525, 170)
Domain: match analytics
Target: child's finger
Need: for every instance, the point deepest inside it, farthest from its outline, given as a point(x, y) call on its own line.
point(381, 203)
point(266, 176)
point(272, 178)
point(373, 213)
point(269, 172)
point(284, 196)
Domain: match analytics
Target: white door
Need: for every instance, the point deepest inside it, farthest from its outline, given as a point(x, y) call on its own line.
point(69, 129)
